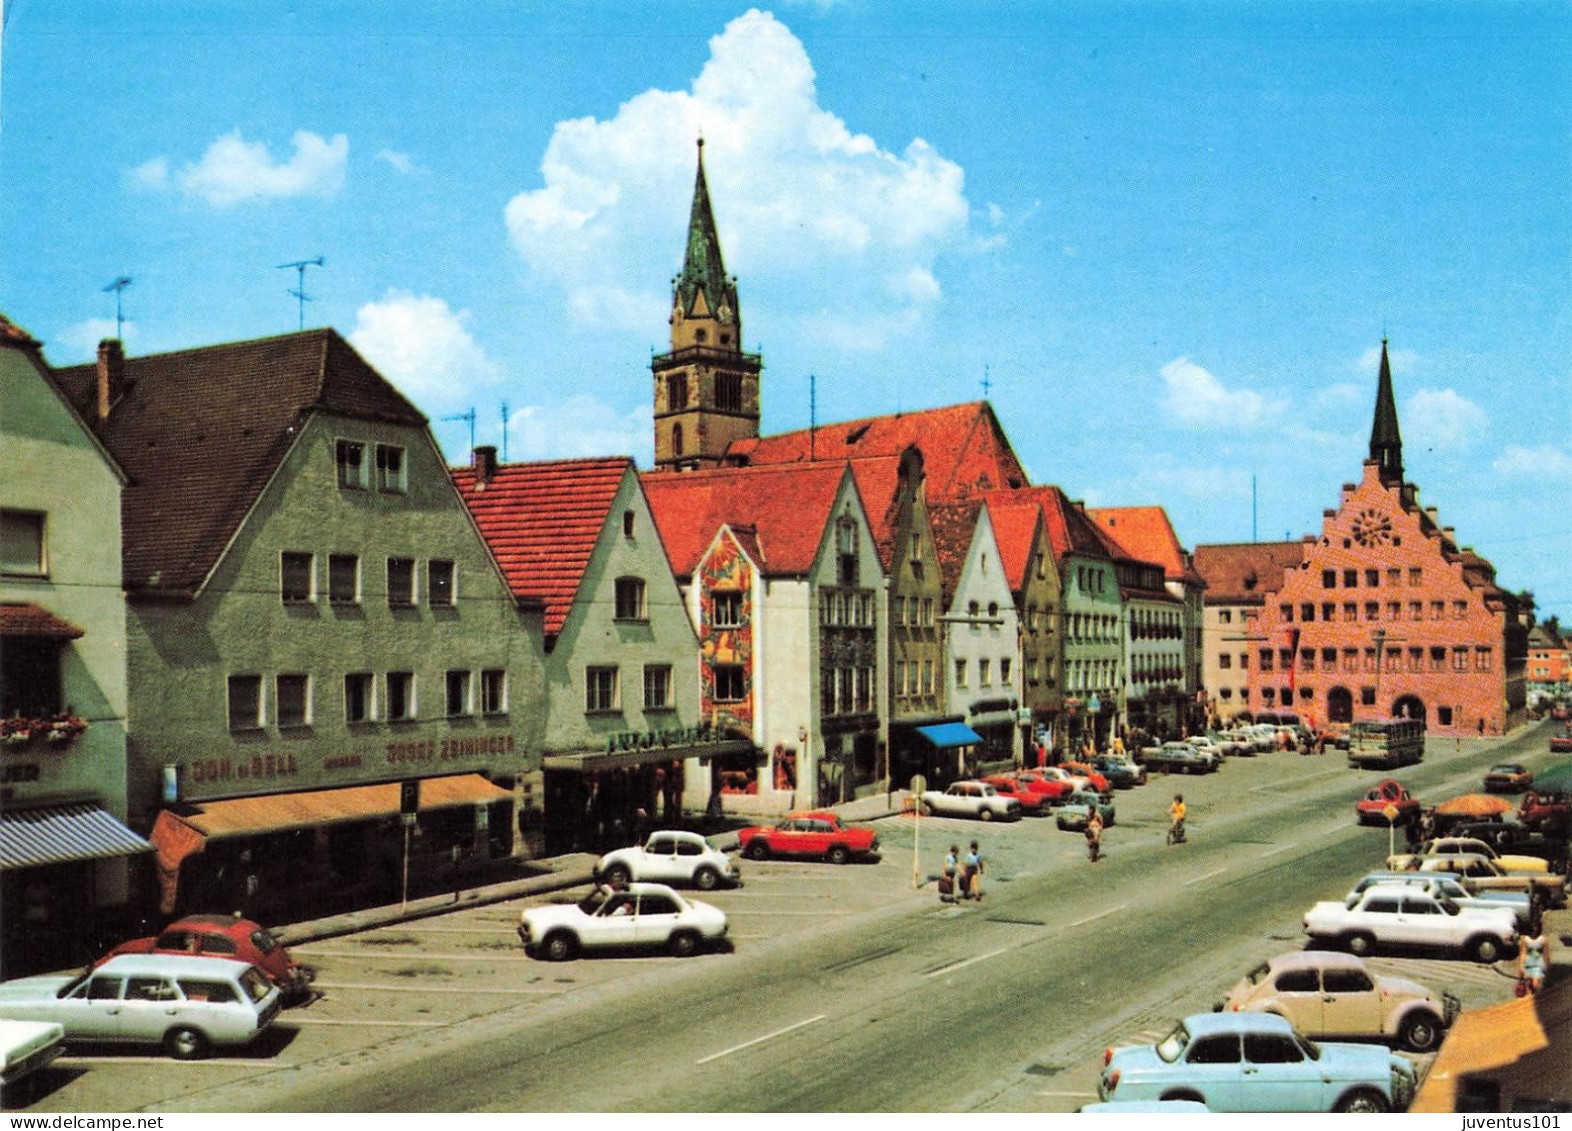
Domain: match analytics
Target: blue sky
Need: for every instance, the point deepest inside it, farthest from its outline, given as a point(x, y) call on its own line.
point(1169, 237)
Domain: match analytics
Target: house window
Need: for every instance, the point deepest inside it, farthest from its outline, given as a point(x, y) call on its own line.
point(630, 598)
point(295, 575)
point(864, 689)
point(1460, 610)
point(1225, 661)
point(600, 689)
point(350, 456)
point(401, 582)
point(1350, 578)
point(927, 612)
point(1372, 578)
point(846, 551)
point(1225, 616)
point(357, 697)
point(657, 687)
point(1004, 670)
point(1328, 611)
point(677, 391)
point(458, 693)
point(343, 579)
point(1460, 659)
point(401, 696)
point(984, 673)
point(390, 469)
point(1482, 659)
point(960, 673)
point(927, 677)
point(627, 524)
point(1328, 579)
point(1416, 576)
point(730, 687)
point(493, 691)
point(728, 392)
point(1350, 611)
point(245, 702)
point(726, 608)
point(1266, 659)
point(294, 700)
point(1372, 610)
point(440, 583)
point(22, 543)
point(898, 610)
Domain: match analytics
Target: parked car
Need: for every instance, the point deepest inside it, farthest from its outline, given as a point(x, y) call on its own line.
point(1328, 994)
point(1255, 1062)
point(1032, 804)
point(1483, 874)
point(1518, 839)
point(970, 799)
point(27, 1047)
point(819, 834)
point(1388, 792)
point(1076, 809)
point(1178, 758)
point(1444, 885)
point(1040, 781)
point(187, 1004)
point(1386, 915)
point(1122, 773)
point(1561, 743)
point(1087, 773)
point(670, 856)
point(1451, 845)
point(226, 936)
point(1552, 811)
point(639, 916)
point(1508, 777)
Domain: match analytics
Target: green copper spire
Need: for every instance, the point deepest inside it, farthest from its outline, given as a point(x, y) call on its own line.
point(702, 268)
point(1386, 443)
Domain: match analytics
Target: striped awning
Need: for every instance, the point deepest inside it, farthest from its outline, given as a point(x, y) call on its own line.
point(62, 833)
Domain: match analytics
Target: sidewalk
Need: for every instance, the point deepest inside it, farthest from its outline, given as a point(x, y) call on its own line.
point(556, 873)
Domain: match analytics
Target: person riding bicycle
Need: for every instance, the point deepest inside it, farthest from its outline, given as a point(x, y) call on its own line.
point(1176, 813)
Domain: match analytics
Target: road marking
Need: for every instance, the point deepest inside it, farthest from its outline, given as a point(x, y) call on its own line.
point(512, 952)
point(1077, 1095)
point(1279, 848)
point(965, 962)
point(758, 1040)
point(408, 988)
point(1094, 918)
point(370, 1024)
point(1212, 875)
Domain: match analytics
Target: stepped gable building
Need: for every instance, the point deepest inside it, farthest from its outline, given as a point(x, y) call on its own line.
point(623, 729)
point(317, 635)
point(1387, 616)
point(1549, 670)
point(1238, 577)
point(783, 583)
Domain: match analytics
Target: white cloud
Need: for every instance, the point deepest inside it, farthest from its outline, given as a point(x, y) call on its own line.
point(1441, 418)
point(1197, 398)
point(581, 426)
point(801, 200)
point(233, 170)
point(400, 161)
point(1542, 464)
point(424, 348)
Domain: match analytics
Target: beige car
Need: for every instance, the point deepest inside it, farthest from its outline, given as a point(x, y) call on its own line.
point(1480, 873)
point(1451, 845)
point(1329, 995)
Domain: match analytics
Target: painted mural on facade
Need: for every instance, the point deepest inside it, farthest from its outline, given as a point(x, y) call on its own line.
point(726, 636)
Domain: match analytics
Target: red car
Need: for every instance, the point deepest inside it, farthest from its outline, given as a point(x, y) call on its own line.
point(1051, 785)
point(819, 834)
point(1032, 804)
point(1371, 809)
point(1561, 743)
point(225, 936)
point(1093, 778)
point(1538, 810)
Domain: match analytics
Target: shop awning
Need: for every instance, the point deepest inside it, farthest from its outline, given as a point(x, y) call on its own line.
point(62, 833)
point(30, 620)
point(280, 812)
point(598, 761)
point(948, 735)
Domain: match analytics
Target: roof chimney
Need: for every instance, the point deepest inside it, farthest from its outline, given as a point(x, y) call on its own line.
point(485, 464)
point(111, 375)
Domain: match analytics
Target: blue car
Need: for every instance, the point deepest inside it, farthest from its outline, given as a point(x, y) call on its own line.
point(1257, 1062)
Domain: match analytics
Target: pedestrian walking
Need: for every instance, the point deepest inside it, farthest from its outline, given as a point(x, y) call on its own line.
point(947, 878)
point(1533, 955)
point(972, 873)
point(1094, 834)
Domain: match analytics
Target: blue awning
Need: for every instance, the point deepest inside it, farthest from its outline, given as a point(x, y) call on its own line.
point(947, 735)
point(30, 837)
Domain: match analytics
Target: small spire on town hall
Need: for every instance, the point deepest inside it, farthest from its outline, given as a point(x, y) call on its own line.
point(1386, 442)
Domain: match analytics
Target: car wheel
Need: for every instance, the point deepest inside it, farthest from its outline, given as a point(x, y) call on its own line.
point(618, 875)
point(559, 946)
point(1192, 1097)
point(684, 944)
point(1485, 949)
point(186, 1043)
point(1421, 1031)
point(839, 854)
point(1363, 1100)
point(986, 814)
point(1361, 945)
point(706, 879)
point(756, 850)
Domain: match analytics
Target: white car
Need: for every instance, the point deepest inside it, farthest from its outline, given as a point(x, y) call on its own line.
point(638, 916)
point(1404, 915)
point(27, 1046)
point(1447, 886)
point(186, 1003)
point(671, 856)
point(970, 799)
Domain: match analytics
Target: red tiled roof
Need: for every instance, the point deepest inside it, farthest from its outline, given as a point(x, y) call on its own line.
point(1145, 534)
point(1014, 525)
point(29, 620)
point(964, 449)
point(1070, 531)
point(1240, 573)
point(785, 508)
point(953, 524)
point(542, 521)
point(878, 480)
point(200, 433)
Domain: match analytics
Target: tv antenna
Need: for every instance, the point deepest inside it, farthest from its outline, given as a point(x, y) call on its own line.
point(299, 292)
point(469, 416)
point(119, 285)
point(504, 432)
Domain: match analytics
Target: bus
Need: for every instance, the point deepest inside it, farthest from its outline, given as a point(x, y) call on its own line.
point(1386, 744)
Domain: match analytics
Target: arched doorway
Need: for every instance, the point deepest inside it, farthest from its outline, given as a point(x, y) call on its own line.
point(1408, 707)
point(1339, 705)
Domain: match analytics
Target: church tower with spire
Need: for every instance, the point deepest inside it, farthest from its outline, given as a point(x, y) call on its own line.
point(1386, 443)
point(706, 388)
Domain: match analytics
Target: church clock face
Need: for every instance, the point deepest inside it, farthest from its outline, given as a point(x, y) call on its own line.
point(1372, 528)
